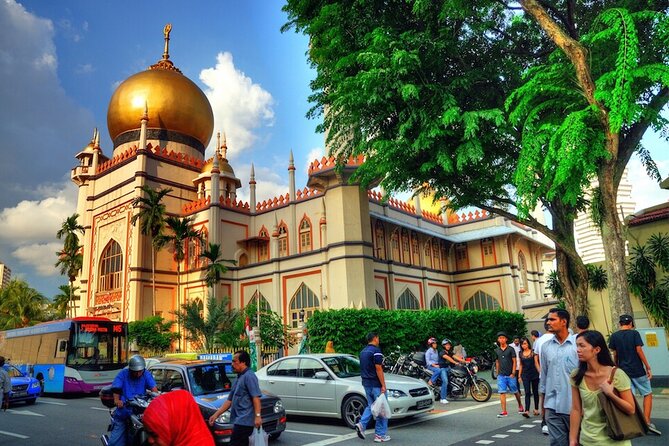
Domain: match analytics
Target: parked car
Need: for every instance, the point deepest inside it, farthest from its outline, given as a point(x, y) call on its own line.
point(24, 387)
point(329, 385)
point(210, 382)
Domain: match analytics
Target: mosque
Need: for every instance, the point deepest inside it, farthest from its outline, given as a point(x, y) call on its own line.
point(326, 245)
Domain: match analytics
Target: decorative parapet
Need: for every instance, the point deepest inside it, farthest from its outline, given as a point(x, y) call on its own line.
point(374, 196)
point(455, 219)
point(180, 158)
point(306, 193)
point(430, 216)
point(331, 162)
point(196, 205)
point(402, 206)
point(234, 204)
point(131, 152)
point(272, 203)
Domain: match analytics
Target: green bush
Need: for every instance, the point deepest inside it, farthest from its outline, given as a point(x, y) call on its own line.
point(152, 334)
point(347, 328)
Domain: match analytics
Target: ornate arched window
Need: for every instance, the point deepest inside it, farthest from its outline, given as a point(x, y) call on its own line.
point(200, 307)
point(265, 307)
point(193, 254)
point(415, 249)
point(380, 301)
point(481, 301)
point(263, 245)
point(444, 256)
point(395, 245)
point(436, 261)
point(488, 251)
point(406, 246)
point(522, 270)
point(461, 257)
point(111, 267)
point(305, 235)
point(303, 299)
point(428, 253)
point(408, 301)
point(438, 301)
point(283, 240)
point(380, 239)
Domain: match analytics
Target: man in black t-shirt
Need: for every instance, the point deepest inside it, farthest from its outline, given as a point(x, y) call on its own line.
point(628, 354)
point(506, 370)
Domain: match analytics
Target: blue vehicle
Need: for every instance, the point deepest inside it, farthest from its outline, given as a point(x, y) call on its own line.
point(24, 387)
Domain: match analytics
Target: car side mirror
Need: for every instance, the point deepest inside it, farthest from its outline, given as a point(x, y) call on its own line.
point(322, 375)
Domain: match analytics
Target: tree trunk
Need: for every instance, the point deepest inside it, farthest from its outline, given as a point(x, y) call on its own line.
point(179, 303)
point(153, 279)
point(614, 246)
point(70, 303)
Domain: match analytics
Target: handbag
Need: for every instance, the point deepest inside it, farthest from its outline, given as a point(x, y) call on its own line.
point(619, 425)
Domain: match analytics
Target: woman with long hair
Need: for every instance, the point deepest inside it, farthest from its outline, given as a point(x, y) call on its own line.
point(588, 380)
point(529, 374)
point(174, 419)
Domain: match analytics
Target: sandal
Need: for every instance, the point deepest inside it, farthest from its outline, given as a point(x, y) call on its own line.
point(526, 414)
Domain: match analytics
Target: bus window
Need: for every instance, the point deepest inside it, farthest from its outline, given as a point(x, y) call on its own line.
point(61, 348)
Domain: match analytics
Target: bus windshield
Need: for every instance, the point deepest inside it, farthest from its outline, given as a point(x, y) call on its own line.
point(97, 345)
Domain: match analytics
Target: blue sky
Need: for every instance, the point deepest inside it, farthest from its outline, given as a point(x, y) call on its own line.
point(60, 62)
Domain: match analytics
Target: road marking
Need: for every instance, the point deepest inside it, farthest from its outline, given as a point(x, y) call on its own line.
point(536, 421)
point(311, 433)
point(500, 436)
point(429, 416)
point(527, 425)
point(42, 401)
point(11, 434)
point(484, 442)
point(100, 408)
point(515, 431)
point(25, 412)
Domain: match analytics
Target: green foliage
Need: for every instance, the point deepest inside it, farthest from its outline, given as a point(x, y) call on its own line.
point(201, 331)
point(59, 304)
point(70, 230)
point(273, 332)
point(647, 275)
point(347, 328)
point(153, 334)
point(597, 279)
point(181, 230)
point(20, 305)
point(152, 211)
point(553, 284)
point(215, 264)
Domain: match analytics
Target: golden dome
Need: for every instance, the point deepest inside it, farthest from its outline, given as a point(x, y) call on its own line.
point(175, 103)
point(223, 165)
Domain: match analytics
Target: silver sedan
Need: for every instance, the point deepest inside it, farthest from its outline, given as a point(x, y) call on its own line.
point(329, 385)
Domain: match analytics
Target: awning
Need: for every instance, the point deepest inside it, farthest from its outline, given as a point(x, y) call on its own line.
point(255, 238)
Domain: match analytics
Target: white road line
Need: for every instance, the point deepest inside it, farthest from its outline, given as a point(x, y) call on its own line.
point(515, 431)
point(25, 412)
point(499, 436)
point(422, 419)
point(99, 408)
point(536, 421)
point(528, 425)
point(484, 442)
point(311, 433)
point(12, 434)
point(42, 401)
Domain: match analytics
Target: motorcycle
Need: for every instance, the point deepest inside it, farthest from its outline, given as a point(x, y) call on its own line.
point(462, 381)
point(135, 427)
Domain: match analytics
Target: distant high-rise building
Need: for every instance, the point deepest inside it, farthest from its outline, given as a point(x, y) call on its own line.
point(588, 238)
point(5, 274)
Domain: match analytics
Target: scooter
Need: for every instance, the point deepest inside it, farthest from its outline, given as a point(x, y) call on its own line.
point(135, 427)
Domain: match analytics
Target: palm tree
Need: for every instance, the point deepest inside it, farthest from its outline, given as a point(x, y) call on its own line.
point(203, 331)
point(20, 305)
point(646, 264)
point(181, 231)
point(70, 261)
point(598, 281)
point(215, 267)
point(151, 222)
point(61, 300)
point(69, 230)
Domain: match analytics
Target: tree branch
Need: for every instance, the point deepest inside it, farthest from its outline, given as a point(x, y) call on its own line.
point(557, 13)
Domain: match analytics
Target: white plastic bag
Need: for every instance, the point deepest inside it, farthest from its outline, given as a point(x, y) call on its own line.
point(259, 437)
point(381, 408)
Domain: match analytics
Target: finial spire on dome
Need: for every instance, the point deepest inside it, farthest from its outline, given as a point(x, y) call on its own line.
point(224, 147)
point(165, 63)
point(218, 143)
point(166, 33)
point(253, 173)
point(96, 139)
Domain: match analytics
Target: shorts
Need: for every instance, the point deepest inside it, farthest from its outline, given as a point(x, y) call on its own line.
point(506, 384)
point(641, 385)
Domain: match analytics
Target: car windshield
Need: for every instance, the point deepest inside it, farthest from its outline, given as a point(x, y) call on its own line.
point(343, 366)
point(208, 378)
point(13, 372)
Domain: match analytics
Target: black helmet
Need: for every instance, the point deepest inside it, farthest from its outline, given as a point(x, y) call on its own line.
point(446, 341)
point(136, 364)
point(431, 341)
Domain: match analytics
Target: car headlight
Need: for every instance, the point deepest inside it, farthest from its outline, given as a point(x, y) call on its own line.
point(35, 385)
point(394, 393)
point(224, 418)
point(278, 406)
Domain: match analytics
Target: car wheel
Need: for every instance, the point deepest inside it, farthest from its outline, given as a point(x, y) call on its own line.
point(274, 436)
point(352, 409)
point(32, 401)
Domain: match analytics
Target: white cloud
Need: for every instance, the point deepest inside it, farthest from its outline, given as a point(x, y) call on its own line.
point(646, 192)
point(85, 68)
point(240, 106)
point(269, 183)
point(316, 153)
point(40, 256)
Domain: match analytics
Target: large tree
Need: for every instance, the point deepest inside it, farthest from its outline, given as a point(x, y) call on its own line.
point(70, 258)
point(180, 232)
point(215, 265)
point(20, 305)
point(151, 216)
point(203, 330)
point(436, 95)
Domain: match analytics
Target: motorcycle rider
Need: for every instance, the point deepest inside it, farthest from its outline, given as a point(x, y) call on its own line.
point(129, 383)
point(432, 360)
point(447, 358)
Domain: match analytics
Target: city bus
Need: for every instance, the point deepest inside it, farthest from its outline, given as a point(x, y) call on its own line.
point(82, 354)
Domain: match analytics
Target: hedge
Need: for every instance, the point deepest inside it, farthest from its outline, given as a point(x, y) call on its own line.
point(409, 330)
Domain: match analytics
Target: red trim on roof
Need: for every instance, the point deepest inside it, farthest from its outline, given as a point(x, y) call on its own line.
point(658, 214)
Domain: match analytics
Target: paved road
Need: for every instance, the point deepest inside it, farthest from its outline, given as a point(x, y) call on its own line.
point(80, 421)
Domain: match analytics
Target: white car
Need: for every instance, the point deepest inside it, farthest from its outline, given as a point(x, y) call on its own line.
point(329, 385)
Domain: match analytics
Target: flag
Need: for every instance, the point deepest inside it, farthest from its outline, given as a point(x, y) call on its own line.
point(252, 345)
